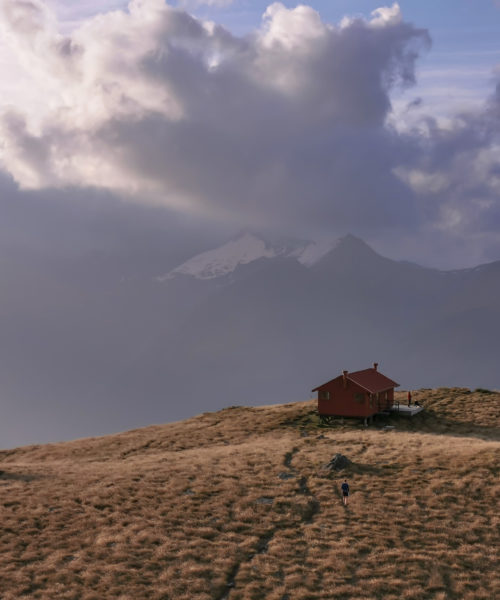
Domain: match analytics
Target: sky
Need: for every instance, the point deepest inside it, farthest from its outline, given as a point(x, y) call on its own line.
point(153, 130)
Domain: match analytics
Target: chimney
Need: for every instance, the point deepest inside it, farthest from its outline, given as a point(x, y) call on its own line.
point(375, 365)
point(344, 376)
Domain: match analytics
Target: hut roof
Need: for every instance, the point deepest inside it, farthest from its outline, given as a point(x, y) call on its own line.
point(370, 379)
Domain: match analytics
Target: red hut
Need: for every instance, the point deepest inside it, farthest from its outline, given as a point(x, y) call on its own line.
point(358, 394)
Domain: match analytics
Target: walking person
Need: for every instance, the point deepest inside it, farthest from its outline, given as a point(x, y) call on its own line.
point(345, 492)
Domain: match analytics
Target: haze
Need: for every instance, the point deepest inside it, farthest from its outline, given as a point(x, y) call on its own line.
point(134, 137)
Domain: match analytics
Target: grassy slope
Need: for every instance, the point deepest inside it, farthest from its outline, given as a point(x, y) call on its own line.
point(198, 510)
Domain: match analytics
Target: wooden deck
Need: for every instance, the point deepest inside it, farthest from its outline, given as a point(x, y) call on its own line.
point(404, 409)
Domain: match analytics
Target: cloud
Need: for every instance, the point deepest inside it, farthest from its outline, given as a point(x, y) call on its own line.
point(387, 15)
point(288, 127)
point(155, 103)
point(211, 3)
point(456, 172)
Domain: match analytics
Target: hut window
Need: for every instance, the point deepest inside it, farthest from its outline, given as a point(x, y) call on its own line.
point(360, 398)
point(324, 395)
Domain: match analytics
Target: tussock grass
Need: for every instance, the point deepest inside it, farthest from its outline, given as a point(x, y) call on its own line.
point(200, 510)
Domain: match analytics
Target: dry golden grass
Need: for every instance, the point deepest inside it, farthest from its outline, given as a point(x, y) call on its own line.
point(237, 505)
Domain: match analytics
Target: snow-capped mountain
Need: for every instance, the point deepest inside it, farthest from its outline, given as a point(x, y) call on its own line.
point(245, 249)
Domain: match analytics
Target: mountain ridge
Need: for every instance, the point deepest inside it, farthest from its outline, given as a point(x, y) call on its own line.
point(265, 332)
point(246, 248)
point(250, 246)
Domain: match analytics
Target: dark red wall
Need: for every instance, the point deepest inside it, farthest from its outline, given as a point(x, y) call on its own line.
point(343, 402)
